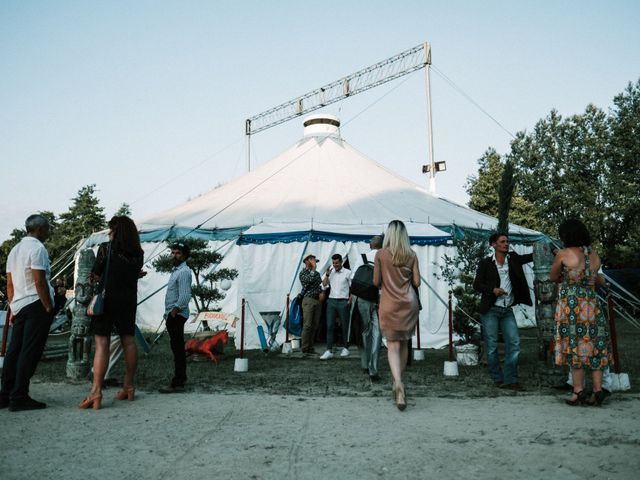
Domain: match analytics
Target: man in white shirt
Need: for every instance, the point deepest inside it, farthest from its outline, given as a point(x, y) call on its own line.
point(31, 300)
point(338, 279)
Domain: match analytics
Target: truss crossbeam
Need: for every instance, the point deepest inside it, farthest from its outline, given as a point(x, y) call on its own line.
point(382, 72)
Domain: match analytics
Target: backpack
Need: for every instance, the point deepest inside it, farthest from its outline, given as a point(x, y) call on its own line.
point(295, 313)
point(362, 284)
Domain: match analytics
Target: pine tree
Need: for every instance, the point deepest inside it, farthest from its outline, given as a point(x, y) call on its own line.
point(124, 210)
point(84, 217)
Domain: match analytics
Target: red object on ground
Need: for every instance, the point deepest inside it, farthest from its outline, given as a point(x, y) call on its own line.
point(450, 327)
point(208, 346)
point(614, 336)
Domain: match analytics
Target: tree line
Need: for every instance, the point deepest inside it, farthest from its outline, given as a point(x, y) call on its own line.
point(84, 217)
point(586, 165)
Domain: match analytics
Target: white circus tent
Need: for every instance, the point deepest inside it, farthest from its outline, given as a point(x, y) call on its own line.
point(320, 195)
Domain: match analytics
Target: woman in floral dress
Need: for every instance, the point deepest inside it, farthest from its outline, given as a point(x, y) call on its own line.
point(581, 334)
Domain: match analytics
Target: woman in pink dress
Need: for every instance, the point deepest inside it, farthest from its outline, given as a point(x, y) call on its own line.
point(397, 274)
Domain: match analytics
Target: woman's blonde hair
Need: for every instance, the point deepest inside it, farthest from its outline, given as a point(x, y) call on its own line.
point(396, 240)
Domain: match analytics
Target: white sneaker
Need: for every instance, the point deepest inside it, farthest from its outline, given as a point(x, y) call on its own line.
point(344, 352)
point(326, 355)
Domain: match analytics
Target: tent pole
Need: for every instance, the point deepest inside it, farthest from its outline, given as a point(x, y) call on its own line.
point(432, 165)
point(450, 327)
point(242, 332)
point(286, 322)
point(247, 131)
point(614, 336)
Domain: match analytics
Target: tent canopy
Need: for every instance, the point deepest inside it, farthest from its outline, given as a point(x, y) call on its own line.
point(321, 180)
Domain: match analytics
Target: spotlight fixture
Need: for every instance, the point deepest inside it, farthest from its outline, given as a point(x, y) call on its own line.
point(440, 166)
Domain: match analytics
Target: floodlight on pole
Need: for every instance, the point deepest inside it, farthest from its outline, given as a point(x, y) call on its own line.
point(439, 166)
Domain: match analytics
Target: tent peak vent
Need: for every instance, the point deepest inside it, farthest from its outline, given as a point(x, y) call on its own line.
point(321, 124)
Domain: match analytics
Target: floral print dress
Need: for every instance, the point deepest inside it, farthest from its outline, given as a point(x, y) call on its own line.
point(581, 332)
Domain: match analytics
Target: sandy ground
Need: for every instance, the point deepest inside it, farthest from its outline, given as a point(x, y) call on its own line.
point(295, 417)
point(258, 436)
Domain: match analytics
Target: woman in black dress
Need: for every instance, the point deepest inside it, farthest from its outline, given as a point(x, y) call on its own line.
point(120, 302)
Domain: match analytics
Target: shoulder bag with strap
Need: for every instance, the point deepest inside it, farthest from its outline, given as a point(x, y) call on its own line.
point(96, 305)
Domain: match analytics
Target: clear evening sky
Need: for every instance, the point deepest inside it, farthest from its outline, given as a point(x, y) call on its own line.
point(140, 97)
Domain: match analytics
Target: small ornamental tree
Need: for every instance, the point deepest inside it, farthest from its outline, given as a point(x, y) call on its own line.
point(84, 217)
point(458, 271)
point(202, 261)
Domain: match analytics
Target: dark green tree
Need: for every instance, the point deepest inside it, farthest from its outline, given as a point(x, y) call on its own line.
point(203, 262)
point(84, 217)
point(621, 233)
point(124, 210)
point(561, 169)
point(483, 189)
point(581, 166)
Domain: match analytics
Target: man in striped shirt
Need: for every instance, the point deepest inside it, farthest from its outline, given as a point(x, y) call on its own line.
point(176, 310)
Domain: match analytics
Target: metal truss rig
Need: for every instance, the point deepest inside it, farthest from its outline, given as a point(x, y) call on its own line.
point(394, 67)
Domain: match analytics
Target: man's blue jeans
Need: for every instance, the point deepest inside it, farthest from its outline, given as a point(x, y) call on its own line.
point(371, 336)
point(502, 318)
point(339, 307)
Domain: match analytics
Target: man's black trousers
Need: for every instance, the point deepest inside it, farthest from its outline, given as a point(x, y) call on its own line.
point(175, 327)
point(28, 338)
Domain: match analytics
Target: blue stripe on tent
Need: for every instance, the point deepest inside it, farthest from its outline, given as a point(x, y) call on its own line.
point(484, 234)
point(166, 234)
point(319, 236)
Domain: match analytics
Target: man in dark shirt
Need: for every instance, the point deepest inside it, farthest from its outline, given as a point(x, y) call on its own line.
point(311, 302)
point(502, 283)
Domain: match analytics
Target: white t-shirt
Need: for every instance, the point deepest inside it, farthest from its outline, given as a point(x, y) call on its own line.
point(29, 254)
point(339, 283)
